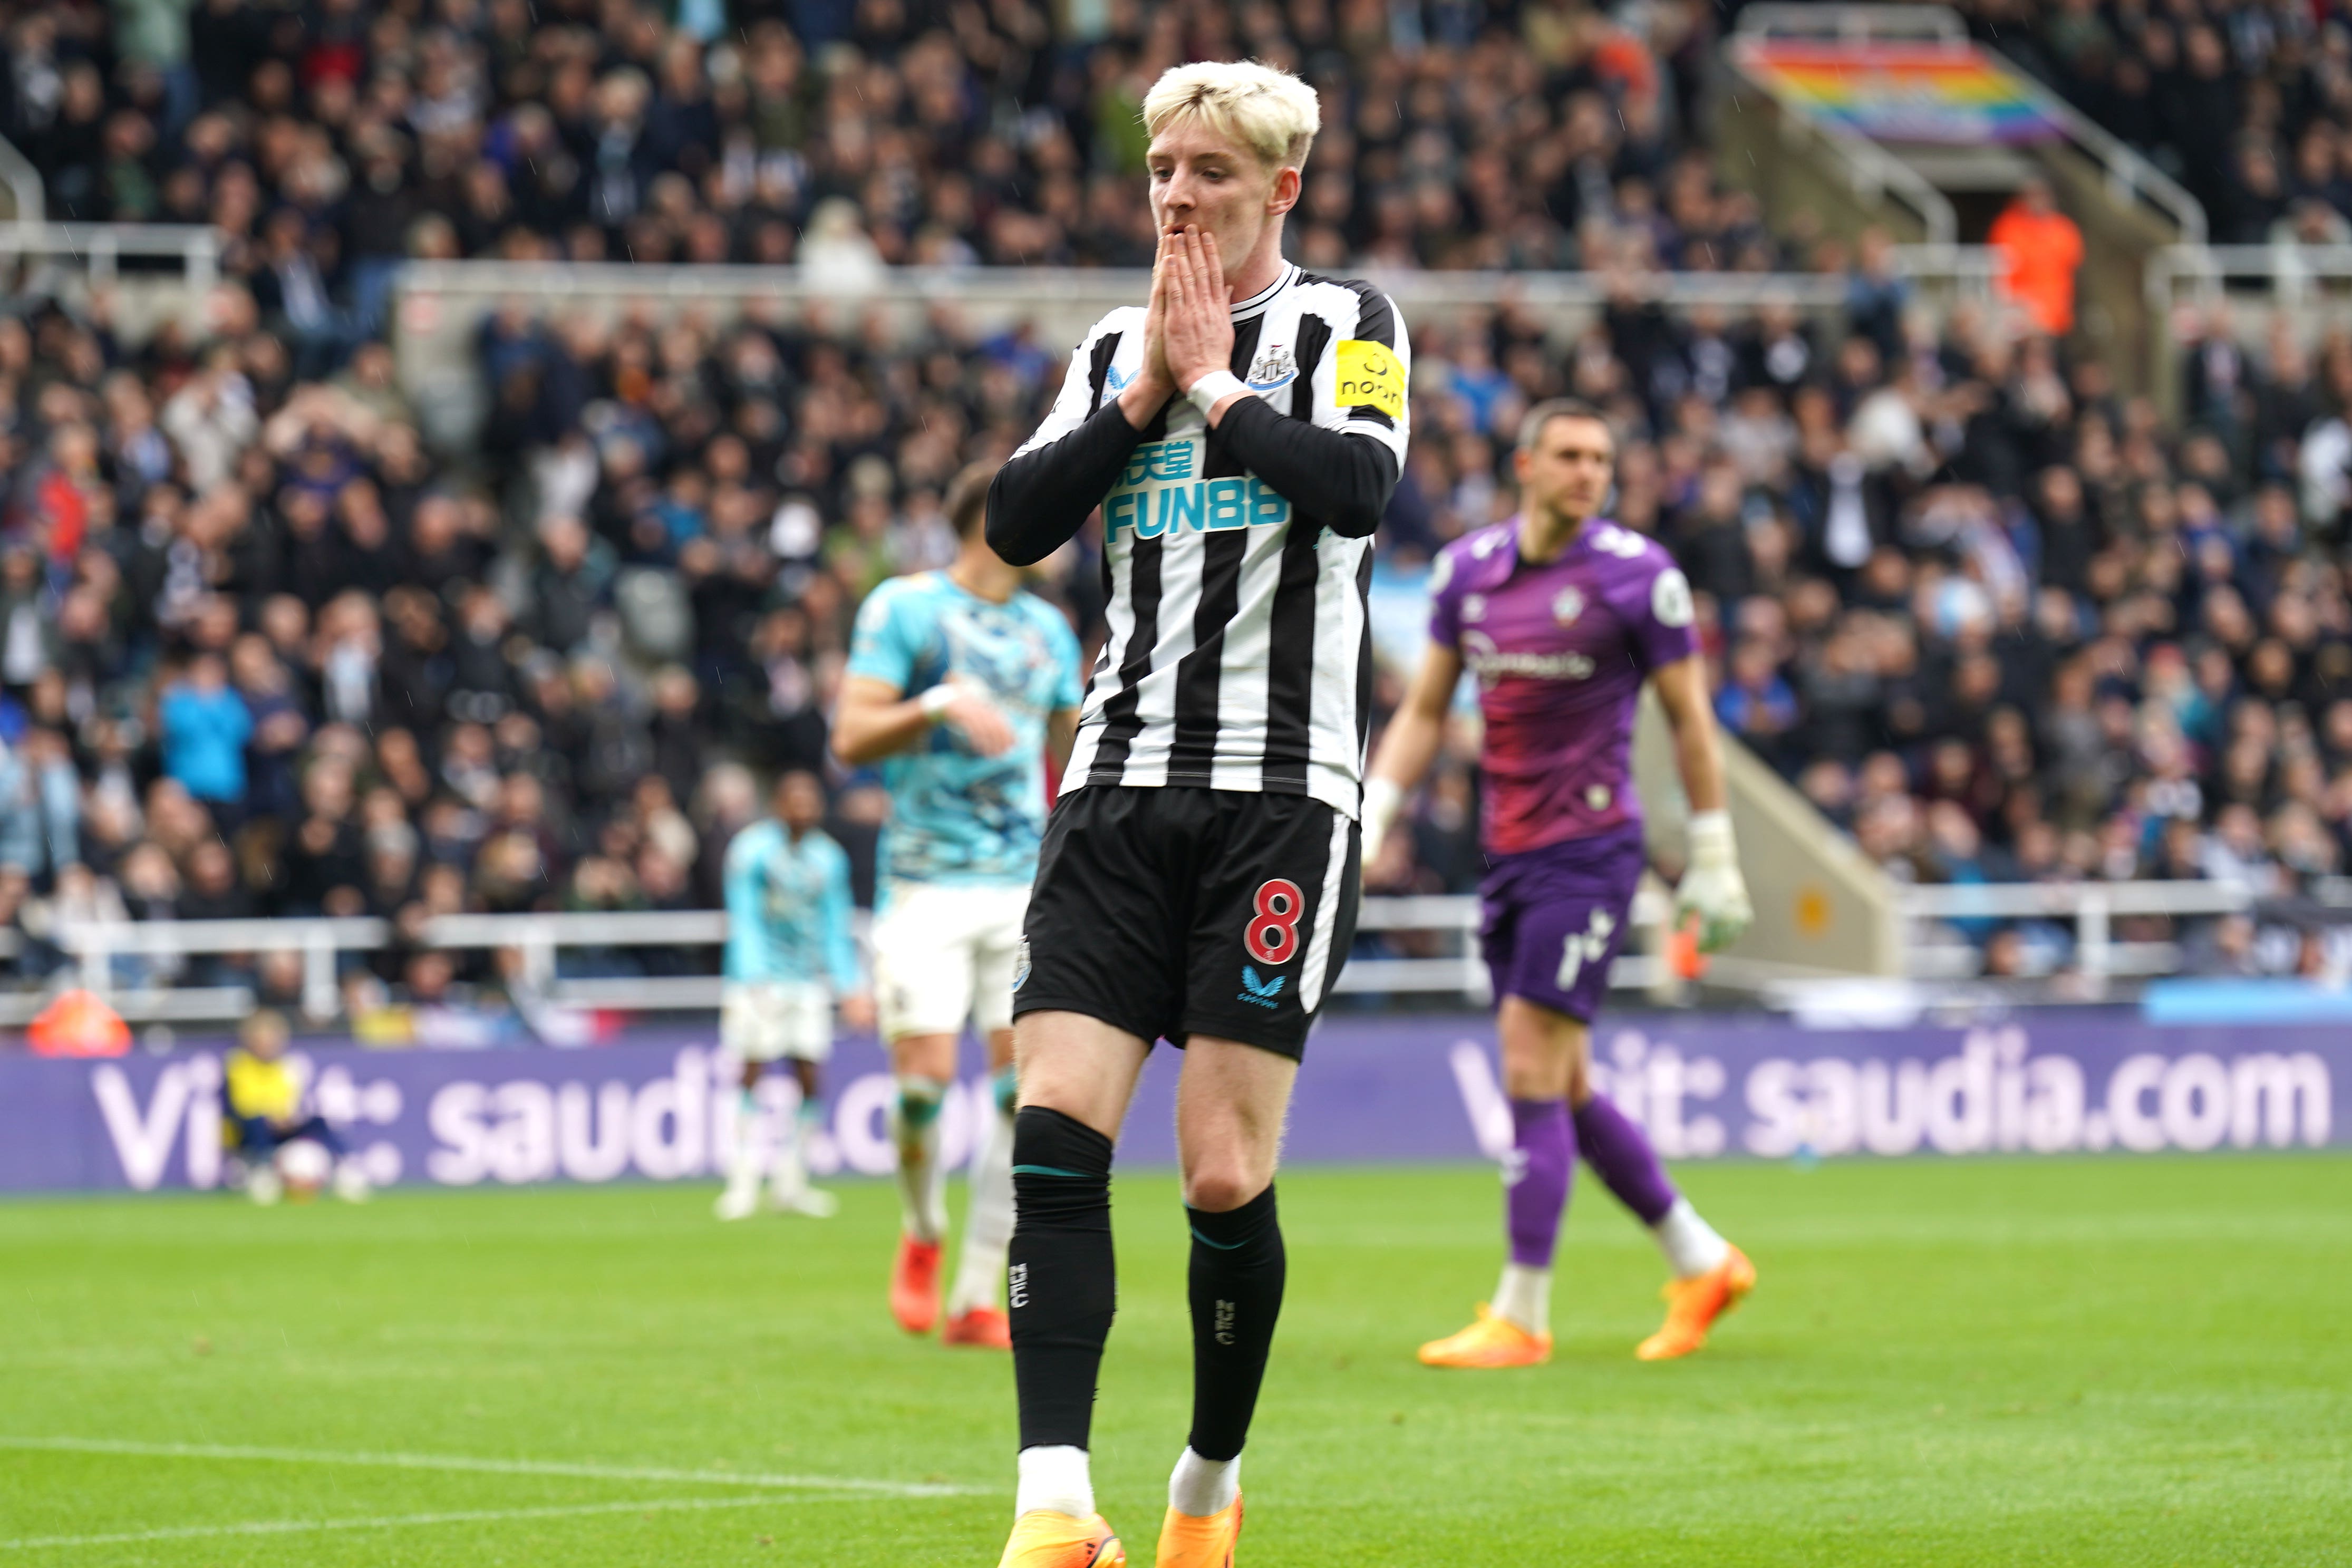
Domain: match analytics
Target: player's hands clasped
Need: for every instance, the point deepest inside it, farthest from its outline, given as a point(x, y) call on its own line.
point(1712, 887)
point(1198, 327)
point(1153, 384)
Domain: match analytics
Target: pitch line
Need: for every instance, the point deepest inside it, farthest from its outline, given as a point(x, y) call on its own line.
point(492, 1467)
point(390, 1521)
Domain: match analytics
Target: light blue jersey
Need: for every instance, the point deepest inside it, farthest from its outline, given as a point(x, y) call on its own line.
point(788, 909)
point(957, 817)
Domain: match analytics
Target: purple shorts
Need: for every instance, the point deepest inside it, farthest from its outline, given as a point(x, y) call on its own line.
point(1553, 919)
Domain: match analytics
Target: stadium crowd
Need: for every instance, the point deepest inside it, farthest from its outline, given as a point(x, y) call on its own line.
point(328, 142)
point(1996, 621)
point(2248, 103)
point(264, 652)
point(261, 652)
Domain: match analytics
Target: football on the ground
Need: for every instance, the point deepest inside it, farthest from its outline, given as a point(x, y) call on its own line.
point(305, 1167)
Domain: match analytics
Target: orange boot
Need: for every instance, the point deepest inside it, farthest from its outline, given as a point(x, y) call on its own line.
point(983, 1328)
point(1189, 1541)
point(1694, 1304)
point(915, 1285)
point(1044, 1539)
point(1492, 1341)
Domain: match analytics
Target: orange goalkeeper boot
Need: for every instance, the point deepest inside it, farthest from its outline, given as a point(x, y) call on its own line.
point(1492, 1341)
point(1693, 1305)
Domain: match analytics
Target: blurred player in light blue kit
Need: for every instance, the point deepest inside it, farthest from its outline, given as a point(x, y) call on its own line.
point(958, 681)
point(790, 954)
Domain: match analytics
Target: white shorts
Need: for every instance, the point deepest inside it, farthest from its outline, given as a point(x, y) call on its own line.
point(943, 954)
point(762, 1020)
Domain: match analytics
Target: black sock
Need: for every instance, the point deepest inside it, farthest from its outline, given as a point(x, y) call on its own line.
point(1062, 1280)
point(1237, 1270)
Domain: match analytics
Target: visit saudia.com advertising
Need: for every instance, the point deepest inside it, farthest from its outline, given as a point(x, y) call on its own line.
point(1389, 1090)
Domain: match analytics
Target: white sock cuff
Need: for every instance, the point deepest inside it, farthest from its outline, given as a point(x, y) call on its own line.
point(1524, 1297)
point(979, 1278)
point(1202, 1487)
point(1054, 1477)
point(1691, 1245)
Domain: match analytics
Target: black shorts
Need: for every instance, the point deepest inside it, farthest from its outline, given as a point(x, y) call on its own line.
point(1174, 912)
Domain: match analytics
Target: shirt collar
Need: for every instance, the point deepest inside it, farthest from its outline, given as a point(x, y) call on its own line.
point(1257, 303)
point(1577, 545)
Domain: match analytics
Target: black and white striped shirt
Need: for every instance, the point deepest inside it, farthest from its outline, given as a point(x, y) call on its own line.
point(1236, 562)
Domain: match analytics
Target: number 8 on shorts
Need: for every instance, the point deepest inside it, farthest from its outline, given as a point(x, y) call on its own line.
point(1272, 936)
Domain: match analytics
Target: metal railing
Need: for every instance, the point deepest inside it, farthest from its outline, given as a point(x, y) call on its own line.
point(94, 948)
point(441, 305)
point(541, 938)
point(100, 246)
point(2130, 178)
point(2283, 276)
point(2093, 906)
point(1097, 289)
point(1871, 171)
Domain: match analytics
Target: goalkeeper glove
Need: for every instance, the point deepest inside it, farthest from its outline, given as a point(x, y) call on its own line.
point(1712, 887)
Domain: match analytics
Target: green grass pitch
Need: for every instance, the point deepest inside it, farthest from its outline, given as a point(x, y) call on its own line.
point(2107, 1361)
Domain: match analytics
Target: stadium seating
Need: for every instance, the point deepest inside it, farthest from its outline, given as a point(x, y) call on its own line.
point(327, 146)
point(2246, 106)
point(1996, 621)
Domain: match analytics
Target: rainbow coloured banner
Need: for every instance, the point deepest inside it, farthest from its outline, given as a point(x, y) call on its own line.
point(1949, 93)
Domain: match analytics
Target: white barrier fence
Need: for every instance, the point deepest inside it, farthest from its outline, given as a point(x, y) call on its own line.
point(2314, 280)
point(1445, 923)
point(441, 305)
point(98, 250)
point(2092, 907)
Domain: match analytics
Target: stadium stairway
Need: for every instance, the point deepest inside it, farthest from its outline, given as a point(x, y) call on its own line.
point(1889, 117)
point(1823, 909)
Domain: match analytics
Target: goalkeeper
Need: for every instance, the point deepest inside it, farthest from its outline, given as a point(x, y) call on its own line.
point(1562, 615)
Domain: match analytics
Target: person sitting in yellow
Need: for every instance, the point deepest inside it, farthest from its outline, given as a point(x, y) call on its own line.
point(264, 1104)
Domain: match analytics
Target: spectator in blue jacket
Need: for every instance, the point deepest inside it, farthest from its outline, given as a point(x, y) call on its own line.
point(206, 726)
point(1756, 704)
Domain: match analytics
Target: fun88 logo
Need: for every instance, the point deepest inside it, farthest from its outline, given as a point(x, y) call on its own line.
point(1158, 495)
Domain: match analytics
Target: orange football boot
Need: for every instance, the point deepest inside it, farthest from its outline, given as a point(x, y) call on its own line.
point(1492, 1341)
point(915, 1285)
point(983, 1328)
point(1189, 1541)
point(1694, 1304)
point(1044, 1539)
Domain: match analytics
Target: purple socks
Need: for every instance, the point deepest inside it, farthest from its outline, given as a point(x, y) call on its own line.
point(1543, 1158)
point(1621, 1156)
point(1545, 1144)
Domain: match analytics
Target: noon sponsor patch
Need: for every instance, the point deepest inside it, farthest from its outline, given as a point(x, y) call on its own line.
point(1370, 376)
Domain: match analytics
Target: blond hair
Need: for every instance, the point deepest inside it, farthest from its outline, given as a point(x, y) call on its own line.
point(1267, 110)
